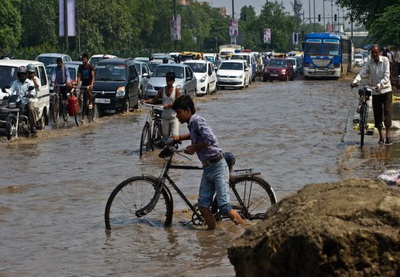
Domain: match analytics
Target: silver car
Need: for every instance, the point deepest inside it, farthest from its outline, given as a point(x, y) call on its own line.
point(144, 73)
point(184, 80)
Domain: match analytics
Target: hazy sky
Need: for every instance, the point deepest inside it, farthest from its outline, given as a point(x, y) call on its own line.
point(308, 5)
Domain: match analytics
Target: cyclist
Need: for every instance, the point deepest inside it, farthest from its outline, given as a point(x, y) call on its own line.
point(378, 69)
point(215, 177)
point(60, 76)
point(168, 94)
point(86, 74)
point(21, 88)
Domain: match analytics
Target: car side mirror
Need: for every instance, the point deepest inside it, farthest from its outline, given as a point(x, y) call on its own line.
point(146, 75)
point(3, 90)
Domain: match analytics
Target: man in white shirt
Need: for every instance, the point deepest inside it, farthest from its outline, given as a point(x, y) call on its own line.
point(28, 97)
point(378, 70)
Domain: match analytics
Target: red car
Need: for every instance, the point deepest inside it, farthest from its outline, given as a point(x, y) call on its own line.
point(278, 69)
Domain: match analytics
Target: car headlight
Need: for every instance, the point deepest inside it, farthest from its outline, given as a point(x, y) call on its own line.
point(240, 76)
point(283, 71)
point(12, 105)
point(203, 79)
point(120, 92)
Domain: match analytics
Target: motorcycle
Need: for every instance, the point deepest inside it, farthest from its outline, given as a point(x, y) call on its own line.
point(13, 115)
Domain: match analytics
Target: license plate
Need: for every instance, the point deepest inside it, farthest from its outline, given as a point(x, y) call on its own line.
point(102, 100)
point(274, 75)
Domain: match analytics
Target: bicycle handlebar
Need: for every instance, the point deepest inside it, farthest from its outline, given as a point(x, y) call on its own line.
point(153, 106)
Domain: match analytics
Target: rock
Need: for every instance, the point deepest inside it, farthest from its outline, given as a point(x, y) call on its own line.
point(335, 229)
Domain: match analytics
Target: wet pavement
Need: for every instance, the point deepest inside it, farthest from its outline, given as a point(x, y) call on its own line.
point(54, 187)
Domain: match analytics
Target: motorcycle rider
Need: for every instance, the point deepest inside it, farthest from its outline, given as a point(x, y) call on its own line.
point(21, 87)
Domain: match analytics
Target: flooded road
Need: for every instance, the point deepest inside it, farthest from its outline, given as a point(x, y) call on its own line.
point(54, 188)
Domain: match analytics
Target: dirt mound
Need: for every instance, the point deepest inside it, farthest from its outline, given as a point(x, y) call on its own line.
point(336, 229)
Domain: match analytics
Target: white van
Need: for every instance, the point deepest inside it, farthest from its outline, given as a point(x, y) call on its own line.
point(8, 74)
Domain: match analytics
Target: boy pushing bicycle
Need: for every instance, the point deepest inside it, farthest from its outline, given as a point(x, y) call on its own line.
point(215, 179)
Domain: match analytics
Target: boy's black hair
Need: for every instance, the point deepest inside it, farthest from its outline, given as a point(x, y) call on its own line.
point(184, 102)
point(59, 60)
point(170, 75)
point(85, 56)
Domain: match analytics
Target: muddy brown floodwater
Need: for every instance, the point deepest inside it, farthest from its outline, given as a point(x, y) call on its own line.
point(54, 188)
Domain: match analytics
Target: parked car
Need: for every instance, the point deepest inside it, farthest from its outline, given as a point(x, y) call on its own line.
point(251, 61)
point(365, 56)
point(233, 73)
point(205, 74)
point(184, 80)
point(359, 60)
point(116, 85)
point(278, 69)
point(8, 74)
point(51, 58)
point(95, 58)
point(144, 73)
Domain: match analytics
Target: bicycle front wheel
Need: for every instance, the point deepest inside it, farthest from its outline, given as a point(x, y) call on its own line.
point(55, 111)
point(251, 196)
point(145, 141)
point(157, 133)
point(77, 110)
point(132, 195)
point(363, 122)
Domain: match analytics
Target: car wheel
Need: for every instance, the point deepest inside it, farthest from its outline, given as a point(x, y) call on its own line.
point(208, 90)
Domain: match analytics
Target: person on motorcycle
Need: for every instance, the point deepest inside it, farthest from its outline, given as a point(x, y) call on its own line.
point(60, 76)
point(32, 77)
point(24, 88)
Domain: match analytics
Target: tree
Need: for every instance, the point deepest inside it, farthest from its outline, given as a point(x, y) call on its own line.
point(10, 25)
point(281, 24)
point(297, 6)
point(389, 21)
point(40, 22)
point(366, 11)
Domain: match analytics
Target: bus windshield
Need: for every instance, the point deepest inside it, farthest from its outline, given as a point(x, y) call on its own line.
point(313, 46)
point(331, 47)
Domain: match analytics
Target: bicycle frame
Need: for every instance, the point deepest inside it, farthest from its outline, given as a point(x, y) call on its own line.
point(164, 176)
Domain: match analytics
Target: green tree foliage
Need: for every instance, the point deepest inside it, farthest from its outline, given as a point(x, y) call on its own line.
point(282, 25)
point(10, 24)
point(40, 22)
point(366, 11)
point(389, 21)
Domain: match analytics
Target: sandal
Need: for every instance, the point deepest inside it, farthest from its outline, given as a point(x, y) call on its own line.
point(388, 141)
point(381, 141)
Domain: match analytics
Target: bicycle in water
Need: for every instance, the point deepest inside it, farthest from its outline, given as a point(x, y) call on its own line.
point(364, 95)
point(148, 199)
point(82, 108)
point(152, 129)
point(59, 106)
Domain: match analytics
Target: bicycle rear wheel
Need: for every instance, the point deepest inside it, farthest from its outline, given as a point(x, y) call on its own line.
point(64, 109)
point(78, 110)
point(132, 195)
point(250, 196)
point(145, 141)
point(363, 122)
point(55, 111)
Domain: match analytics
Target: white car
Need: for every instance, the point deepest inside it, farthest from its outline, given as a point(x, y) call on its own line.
point(184, 80)
point(95, 58)
point(205, 75)
point(144, 73)
point(51, 58)
point(359, 60)
point(8, 74)
point(233, 73)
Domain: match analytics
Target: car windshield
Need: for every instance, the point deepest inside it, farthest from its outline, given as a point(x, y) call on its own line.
point(153, 66)
point(137, 68)
point(110, 72)
point(161, 71)
point(231, 66)
point(94, 60)
point(47, 60)
point(198, 67)
point(277, 63)
point(8, 75)
point(359, 56)
point(72, 72)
